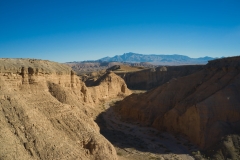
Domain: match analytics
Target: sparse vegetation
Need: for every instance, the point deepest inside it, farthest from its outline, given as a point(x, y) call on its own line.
point(119, 154)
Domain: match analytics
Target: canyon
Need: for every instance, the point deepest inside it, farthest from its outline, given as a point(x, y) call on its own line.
point(204, 106)
point(185, 112)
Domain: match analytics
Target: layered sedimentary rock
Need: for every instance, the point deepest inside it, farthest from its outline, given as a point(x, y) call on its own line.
point(45, 112)
point(203, 106)
point(150, 78)
point(108, 86)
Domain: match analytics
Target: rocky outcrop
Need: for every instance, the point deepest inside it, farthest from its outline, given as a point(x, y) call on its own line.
point(150, 78)
point(203, 106)
point(227, 148)
point(45, 113)
point(108, 86)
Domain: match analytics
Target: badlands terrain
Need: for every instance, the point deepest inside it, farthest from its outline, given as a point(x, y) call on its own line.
point(46, 112)
point(188, 112)
point(139, 76)
point(203, 106)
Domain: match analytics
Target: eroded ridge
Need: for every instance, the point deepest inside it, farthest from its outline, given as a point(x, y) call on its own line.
point(46, 112)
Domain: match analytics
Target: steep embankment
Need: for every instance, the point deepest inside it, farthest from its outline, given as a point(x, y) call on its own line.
point(150, 78)
point(204, 105)
point(45, 112)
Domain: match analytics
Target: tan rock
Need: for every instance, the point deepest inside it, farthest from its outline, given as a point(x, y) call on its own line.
point(45, 113)
point(108, 86)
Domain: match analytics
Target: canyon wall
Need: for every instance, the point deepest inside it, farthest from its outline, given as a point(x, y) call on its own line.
point(204, 106)
point(46, 112)
point(150, 78)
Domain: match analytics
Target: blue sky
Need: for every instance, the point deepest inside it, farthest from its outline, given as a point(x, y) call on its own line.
point(77, 30)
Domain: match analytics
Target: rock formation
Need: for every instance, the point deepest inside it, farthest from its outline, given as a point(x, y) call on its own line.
point(204, 106)
point(108, 86)
point(150, 78)
point(45, 112)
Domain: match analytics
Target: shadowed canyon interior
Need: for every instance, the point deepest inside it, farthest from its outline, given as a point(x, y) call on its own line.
point(204, 106)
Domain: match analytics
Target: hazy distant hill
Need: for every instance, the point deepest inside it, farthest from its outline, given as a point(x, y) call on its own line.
point(157, 59)
point(137, 60)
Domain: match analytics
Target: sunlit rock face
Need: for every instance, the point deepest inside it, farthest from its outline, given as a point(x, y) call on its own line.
point(203, 106)
point(45, 113)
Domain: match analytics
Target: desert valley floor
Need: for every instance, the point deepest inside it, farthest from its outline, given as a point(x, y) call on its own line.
point(133, 141)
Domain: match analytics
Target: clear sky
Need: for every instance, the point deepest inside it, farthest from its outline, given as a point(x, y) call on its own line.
point(77, 30)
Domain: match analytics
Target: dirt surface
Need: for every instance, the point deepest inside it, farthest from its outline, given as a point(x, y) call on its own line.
point(126, 68)
point(133, 141)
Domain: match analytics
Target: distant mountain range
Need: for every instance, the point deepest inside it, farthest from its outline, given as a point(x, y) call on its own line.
point(156, 59)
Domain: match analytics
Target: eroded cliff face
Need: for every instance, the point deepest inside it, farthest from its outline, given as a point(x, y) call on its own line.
point(108, 86)
point(204, 105)
point(45, 112)
point(150, 78)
